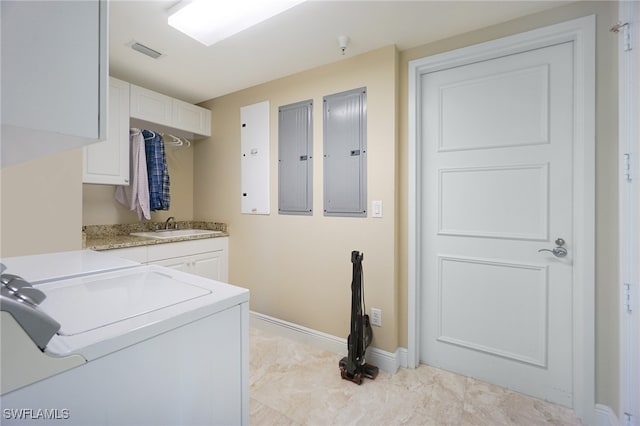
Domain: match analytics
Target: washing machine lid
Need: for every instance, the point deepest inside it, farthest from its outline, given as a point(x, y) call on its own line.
point(90, 302)
point(105, 312)
point(41, 268)
point(105, 303)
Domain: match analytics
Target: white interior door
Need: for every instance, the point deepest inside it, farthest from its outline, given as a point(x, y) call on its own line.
point(497, 181)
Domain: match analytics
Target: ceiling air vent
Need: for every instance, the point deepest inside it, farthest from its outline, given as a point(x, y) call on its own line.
point(145, 50)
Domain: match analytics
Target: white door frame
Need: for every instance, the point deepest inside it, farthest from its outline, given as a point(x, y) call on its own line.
point(582, 33)
point(629, 144)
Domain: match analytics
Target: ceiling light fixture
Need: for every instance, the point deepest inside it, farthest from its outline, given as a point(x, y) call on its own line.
point(212, 21)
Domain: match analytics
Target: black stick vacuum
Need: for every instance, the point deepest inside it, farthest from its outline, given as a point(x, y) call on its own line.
point(353, 367)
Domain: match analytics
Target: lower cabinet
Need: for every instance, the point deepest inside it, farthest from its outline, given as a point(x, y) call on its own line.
point(207, 265)
point(206, 257)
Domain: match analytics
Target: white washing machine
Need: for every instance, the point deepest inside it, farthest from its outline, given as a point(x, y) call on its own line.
point(103, 341)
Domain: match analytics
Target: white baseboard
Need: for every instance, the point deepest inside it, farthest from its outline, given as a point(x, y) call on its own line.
point(385, 361)
point(605, 416)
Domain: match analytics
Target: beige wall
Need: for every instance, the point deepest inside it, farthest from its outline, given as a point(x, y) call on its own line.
point(298, 268)
point(607, 307)
point(41, 205)
point(100, 208)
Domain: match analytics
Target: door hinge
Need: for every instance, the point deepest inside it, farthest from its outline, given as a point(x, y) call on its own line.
point(627, 167)
point(627, 297)
point(626, 34)
point(627, 419)
point(626, 43)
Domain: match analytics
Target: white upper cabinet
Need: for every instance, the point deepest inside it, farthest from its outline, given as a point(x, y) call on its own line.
point(108, 162)
point(191, 118)
point(54, 76)
point(150, 106)
point(161, 109)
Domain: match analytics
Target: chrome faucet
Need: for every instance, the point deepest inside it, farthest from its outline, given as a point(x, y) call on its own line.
point(166, 223)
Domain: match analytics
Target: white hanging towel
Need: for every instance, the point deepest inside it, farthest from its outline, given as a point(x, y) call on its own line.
point(136, 195)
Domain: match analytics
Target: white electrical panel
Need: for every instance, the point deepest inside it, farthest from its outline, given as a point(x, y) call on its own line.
point(254, 145)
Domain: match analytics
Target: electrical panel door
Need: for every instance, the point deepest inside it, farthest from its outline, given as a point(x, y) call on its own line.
point(345, 154)
point(254, 141)
point(295, 154)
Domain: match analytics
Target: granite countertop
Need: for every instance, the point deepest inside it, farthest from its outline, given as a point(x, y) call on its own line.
point(106, 237)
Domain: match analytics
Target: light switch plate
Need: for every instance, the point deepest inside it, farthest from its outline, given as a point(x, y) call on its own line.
point(376, 208)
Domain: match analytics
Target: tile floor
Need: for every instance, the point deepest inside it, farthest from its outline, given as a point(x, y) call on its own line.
point(295, 384)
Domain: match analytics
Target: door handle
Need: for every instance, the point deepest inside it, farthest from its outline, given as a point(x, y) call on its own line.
point(558, 251)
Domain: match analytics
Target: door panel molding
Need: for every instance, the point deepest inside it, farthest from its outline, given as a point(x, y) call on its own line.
point(509, 317)
point(472, 120)
point(536, 211)
point(581, 32)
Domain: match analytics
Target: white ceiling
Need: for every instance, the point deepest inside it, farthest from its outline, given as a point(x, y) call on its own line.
point(299, 39)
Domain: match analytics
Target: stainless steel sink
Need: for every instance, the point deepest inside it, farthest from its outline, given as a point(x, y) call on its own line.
point(163, 234)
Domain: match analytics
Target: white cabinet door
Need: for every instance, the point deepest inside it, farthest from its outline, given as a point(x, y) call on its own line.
point(107, 162)
point(191, 118)
point(150, 106)
point(179, 263)
point(207, 265)
point(168, 112)
point(208, 257)
point(54, 76)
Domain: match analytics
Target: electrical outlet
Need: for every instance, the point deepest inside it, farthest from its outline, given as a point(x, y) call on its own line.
point(376, 317)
